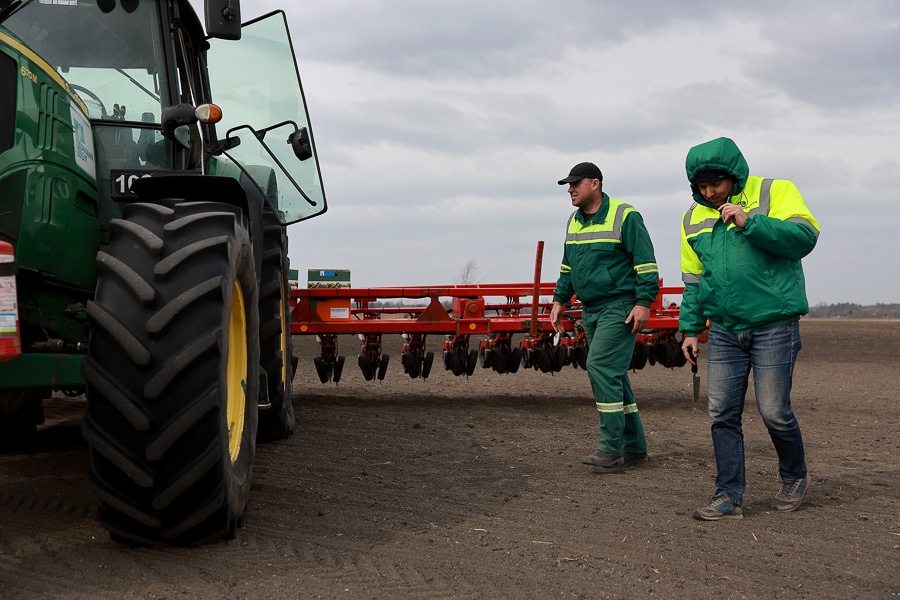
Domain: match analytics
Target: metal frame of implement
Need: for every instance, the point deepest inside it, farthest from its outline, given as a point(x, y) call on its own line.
point(471, 314)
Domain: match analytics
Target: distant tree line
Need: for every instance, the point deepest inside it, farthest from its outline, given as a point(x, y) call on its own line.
point(848, 310)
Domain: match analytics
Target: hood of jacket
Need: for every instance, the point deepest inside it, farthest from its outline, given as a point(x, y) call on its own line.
point(721, 154)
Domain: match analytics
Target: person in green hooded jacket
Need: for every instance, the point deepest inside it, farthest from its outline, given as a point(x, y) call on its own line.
point(741, 245)
point(608, 262)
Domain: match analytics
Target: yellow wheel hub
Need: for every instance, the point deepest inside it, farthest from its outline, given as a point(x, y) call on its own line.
point(236, 371)
point(285, 337)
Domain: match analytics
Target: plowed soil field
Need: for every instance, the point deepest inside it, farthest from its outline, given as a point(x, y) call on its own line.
point(472, 488)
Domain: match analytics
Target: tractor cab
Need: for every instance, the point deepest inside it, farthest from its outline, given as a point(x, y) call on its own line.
point(137, 70)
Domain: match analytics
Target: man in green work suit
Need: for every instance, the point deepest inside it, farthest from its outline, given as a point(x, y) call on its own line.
point(608, 263)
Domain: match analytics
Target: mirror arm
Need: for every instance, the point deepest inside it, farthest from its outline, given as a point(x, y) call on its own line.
point(222, 147)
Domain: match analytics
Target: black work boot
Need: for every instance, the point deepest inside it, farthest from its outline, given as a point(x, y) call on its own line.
point(602, 458)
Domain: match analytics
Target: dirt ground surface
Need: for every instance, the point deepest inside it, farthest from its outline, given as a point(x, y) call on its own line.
point(472, 488)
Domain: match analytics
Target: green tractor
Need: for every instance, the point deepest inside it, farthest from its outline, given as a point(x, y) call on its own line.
point(148, 172)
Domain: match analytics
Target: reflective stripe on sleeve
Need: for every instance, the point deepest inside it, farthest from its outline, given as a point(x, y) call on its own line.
point(806, 222)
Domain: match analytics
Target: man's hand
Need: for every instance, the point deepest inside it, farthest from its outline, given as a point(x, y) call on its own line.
point(555, 316)
point(691, 345)
point(640, 316)
point(733, 213)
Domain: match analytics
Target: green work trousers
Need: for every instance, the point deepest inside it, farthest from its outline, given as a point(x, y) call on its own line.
point(611, 344)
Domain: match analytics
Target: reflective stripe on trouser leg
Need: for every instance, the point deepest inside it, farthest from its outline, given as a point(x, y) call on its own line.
point(611, 344)
point(635, 440)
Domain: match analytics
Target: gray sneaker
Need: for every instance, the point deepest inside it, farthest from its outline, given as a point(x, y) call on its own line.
point(791, 495)
point(720, 507)
point(602, 458)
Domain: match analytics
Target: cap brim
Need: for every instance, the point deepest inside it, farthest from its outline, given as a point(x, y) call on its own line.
point(570, 179)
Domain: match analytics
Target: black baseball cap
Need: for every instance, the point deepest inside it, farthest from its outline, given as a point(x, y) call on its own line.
point(711, 176)
point(580, 171)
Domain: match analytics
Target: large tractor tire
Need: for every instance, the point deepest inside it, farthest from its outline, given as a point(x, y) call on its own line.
point(173, 374)
point(277, 421)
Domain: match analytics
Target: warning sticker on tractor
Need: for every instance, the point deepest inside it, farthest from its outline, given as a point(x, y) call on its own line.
point(8, 309)
point(83, 139)
point(7, 323)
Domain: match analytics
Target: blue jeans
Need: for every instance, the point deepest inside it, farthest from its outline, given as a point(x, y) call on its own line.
point(771, 352)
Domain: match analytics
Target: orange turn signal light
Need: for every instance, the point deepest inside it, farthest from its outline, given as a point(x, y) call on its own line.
point(208, 113)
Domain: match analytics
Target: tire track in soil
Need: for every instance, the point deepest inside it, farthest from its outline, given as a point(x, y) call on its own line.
point(18, 582)
point(328, 486)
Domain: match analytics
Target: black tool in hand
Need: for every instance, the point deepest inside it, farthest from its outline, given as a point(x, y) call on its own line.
point(696, 376)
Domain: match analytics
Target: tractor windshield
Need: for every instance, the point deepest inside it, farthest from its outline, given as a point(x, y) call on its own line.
point(109, 52)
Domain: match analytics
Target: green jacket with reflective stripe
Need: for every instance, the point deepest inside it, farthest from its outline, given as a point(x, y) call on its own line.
point(746, 278)
point(608, 258)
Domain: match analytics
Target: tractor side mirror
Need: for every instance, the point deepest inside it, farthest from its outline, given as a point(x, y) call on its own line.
point(299, 141)
point(223, 19)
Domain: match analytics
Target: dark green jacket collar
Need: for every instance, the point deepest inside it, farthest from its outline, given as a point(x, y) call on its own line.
point(599, 216)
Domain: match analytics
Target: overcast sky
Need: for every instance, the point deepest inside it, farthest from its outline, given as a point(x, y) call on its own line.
point(442, 127)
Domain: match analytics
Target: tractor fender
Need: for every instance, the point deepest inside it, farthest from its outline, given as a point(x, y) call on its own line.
point(243, 194)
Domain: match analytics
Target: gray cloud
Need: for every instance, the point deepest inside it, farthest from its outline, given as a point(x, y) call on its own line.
point(442, 126)
point(835, 55)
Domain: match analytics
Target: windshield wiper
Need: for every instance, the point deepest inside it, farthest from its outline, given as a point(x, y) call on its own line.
point(139, 85)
